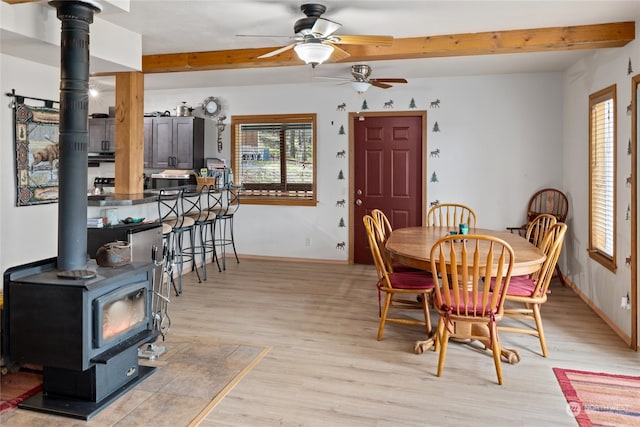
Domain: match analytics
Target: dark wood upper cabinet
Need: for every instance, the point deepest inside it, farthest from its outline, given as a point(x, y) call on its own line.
point(102, 135)
point(174, 142)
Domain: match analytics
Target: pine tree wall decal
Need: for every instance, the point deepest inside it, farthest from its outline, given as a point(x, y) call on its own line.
point(364, 105)
point(629, 147)
point(436, 128)
point(629, 68)
point(341, 223)
point(340, 174)
point(412, 104)
point(434, 177)
point(341, 131)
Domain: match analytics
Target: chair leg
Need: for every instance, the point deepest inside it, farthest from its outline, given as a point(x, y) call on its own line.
point(170, 260)
point(496, 348)
point(383, 317)
point(214, 252)
point(444, 341)
point(538, 319)
point(233, 240)
point(560, 275)
point(192, 240)
point(202, 233)
point(438, 337)
point(178, 240)
point(425, 309)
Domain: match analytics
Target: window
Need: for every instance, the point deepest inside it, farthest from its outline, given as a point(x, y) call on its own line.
point(273, 158)
point(602, 177)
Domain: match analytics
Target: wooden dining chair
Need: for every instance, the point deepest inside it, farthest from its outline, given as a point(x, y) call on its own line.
point(398, 286)
point(467, 306)
point(537, 229)
point(384, 229)
point(545, 201)
point(528, 293)
point(451, 215)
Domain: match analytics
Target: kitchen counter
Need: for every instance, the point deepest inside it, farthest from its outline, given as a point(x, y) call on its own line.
point(107, 200)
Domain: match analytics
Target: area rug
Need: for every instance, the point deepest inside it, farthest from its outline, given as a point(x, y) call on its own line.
point(191, 379)
point(15, 387)
point(600, 399)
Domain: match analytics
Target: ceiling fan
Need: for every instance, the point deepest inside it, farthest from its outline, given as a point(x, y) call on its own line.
point(361, 81)
point(315, 41)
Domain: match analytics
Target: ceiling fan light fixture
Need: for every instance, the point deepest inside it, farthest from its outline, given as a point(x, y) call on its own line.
point(313, 53)
point(360, 87)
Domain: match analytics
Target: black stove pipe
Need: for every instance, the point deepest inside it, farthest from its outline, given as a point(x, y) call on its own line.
point(74, 112)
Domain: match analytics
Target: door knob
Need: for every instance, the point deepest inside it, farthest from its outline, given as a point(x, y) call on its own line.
point(358, 202)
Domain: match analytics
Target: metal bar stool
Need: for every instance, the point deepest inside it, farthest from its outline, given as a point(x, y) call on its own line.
point(224, 221)
point(174, 225)
point(213, 209)
point(201, 217)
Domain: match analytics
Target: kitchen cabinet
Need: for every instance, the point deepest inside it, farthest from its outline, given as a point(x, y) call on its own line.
point(102, 134)
point(148, 143)
point(174, 142)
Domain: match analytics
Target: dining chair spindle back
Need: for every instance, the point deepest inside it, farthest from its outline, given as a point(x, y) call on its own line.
point(400, 288)
point(451, 215)
point(460, 270)
point(526, 294)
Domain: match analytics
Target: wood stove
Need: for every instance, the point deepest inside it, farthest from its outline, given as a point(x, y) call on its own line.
point(85, 333)
point(82, 323)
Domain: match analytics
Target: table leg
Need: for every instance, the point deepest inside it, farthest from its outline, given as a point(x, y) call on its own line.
point(421, 346)
point(511, 355)
point(464, 331)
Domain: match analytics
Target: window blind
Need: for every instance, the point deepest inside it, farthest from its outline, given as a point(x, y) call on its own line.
point(274, 156)
point(602, 175)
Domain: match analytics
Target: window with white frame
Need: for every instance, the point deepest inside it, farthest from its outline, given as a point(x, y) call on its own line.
point(274, 158)
point(602, 177)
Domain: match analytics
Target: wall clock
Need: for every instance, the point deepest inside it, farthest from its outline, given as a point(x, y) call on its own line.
point(211, 106)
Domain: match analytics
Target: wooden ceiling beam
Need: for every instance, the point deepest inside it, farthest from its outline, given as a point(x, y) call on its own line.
point(597, 36)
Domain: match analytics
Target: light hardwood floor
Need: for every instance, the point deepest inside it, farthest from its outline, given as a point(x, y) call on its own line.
point(325, 367)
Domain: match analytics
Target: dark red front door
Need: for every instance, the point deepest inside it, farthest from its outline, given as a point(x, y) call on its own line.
point(388, 161)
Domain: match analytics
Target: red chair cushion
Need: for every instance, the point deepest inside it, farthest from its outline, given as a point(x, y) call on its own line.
point(477, 310)
point(521, 286)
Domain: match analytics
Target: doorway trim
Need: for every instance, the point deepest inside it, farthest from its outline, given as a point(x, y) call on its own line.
point(352, 116)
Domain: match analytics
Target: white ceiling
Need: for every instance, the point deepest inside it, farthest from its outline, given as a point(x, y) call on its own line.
point(173, 26)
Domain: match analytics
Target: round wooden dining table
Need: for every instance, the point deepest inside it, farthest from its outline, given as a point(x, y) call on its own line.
point(411, 246)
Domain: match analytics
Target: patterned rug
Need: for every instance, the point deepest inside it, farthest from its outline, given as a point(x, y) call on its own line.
point(18, 386)
point(191, 378)
point(599, 399)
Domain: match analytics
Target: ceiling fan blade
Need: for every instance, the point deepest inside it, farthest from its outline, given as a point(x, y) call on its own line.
point(324, 27)
point(380, 85)
point(277, 51)
point(332, 78)
point(370, 40)
point(261, 35)
point(388, 80)
point(338, 53)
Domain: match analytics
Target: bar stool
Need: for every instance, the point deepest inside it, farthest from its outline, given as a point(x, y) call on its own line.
point(174, 225)
point(230, 202)
point(192, 199)
point(213, 209)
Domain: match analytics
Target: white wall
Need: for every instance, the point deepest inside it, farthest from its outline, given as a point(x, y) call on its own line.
point(601, 286)
point(27, 233)
point(499, 138)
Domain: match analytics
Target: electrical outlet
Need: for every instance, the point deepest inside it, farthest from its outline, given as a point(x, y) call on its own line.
point(623, 302)
point(307, 241)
